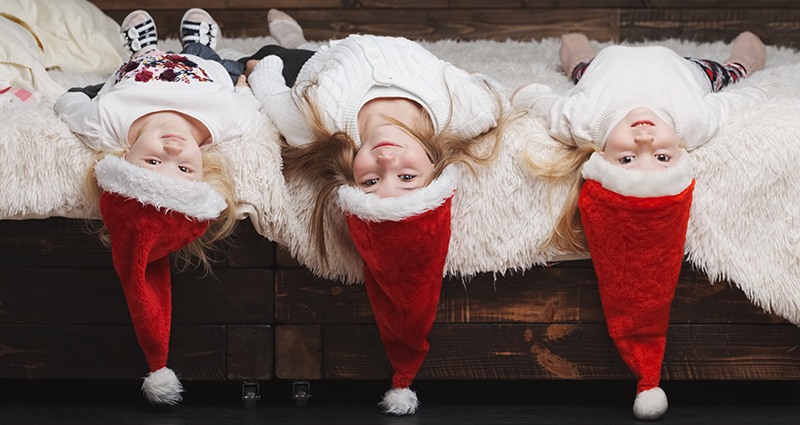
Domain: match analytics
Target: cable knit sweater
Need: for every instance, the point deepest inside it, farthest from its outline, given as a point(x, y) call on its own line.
point(156, 82)
point(341, 74)
point(622, 78)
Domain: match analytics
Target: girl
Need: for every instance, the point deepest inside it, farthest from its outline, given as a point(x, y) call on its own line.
point(164, 112)
point(156, 122)
point(625, 123)
point(637, 107)
point(374, 122)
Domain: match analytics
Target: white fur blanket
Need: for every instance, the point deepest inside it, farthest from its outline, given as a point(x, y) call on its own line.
point(745, 220)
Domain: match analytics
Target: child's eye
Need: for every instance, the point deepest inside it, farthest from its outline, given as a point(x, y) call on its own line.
point(663, 157)
point(152, 161)
point(626, 160)
point(184, 169)
point(406, 177)
point(370, 182)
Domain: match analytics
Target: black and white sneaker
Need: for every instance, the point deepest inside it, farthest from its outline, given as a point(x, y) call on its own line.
point(138, 33)
point(197, 26)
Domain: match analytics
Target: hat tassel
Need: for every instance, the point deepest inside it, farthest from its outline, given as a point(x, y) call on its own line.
point(162, 387)
point(399, 401)
point(650, 405)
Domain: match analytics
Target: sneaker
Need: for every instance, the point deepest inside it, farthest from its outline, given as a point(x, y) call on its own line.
point(197, 26)
point(138, 33)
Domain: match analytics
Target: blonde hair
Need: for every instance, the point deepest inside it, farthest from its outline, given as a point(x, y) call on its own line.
point(198, 252)
point(327, 161)
point(567, 234)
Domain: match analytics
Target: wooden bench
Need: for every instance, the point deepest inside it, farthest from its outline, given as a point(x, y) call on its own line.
point(263, 317)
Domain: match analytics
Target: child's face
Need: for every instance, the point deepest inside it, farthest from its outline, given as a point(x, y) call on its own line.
point(391, 163)
point(642, 141)
point(168, 148)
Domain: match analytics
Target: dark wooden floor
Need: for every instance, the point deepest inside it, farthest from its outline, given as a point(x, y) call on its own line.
point(443, 402)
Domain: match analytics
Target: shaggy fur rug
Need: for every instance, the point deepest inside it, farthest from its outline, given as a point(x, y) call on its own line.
point(745, 219)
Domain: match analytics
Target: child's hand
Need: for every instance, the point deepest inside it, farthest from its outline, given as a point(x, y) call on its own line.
point(242, 81)
point(250, 65)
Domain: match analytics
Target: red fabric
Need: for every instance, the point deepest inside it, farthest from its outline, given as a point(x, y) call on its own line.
point(141, 240)
point(636, 245)
point(403, 268)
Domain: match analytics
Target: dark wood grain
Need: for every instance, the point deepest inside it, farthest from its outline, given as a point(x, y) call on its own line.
point(696, 300)
point(250, 355)
point(774, 26)
point(95, 296)
point(105, 352)
point(569, 351)
point(298, 351)
point(53, 242)
point(560, 294)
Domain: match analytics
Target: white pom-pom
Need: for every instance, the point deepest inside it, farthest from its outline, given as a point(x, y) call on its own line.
point(162, 387)
point(399, 401)
point(650, 405)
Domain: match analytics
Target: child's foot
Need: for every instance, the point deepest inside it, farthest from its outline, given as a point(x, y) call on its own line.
point(287, 31)
point(138, 33)
point(575, 49)
point(749, 51)
point(197, 26)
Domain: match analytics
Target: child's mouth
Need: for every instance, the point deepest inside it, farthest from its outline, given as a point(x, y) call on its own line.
point(643, 124)
point(385, 144)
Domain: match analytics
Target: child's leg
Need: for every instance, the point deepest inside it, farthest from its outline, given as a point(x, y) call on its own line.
point(748, 55)
point(286, 30)
point(138, 33)
point(197, 26)
point(749, 51)
point(293, 60)
point(720, 76)
point(234, 68)
point(575, 54)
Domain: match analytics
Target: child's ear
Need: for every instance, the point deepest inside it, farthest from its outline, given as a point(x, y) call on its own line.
point(602, 153)
point(125, 153)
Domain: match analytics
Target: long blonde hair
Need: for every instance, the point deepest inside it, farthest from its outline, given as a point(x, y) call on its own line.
point(567, 234)
point(327, 161)
point(198, 252)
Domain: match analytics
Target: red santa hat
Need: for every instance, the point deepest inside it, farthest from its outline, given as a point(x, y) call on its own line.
point(635, 224)
point(148, 216)
point(404, 243)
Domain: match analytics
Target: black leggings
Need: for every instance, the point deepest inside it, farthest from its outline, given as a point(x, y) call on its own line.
point(293, 60)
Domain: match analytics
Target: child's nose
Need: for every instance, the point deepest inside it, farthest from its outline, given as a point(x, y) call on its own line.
point(640, 138)
point(173, 148)
point(386, 157)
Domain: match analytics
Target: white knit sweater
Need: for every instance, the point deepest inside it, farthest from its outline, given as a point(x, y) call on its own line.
point(622, 78)
point(342, 73)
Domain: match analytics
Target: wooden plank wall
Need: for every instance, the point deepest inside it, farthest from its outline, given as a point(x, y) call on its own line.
point(262, 316)
point(777, 22)
point(546, 323)
point(63, 314)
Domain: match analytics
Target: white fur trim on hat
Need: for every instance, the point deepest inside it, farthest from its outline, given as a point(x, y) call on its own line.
point(162, 387)
point(371, 207)
point(399, 401)
point(195, 199)
point(640, 184)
